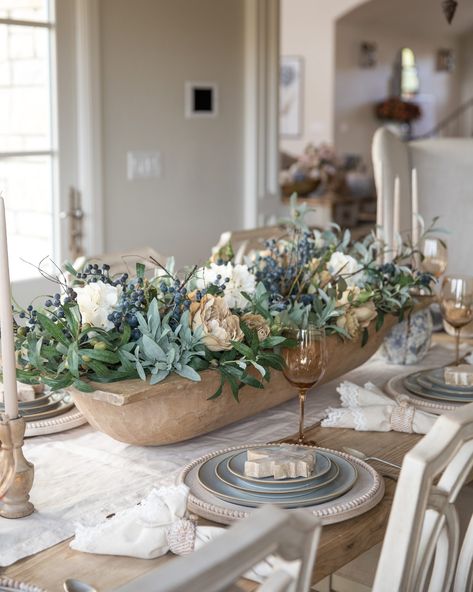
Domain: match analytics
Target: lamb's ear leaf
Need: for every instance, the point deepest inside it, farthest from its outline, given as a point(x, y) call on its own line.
point(189, 373)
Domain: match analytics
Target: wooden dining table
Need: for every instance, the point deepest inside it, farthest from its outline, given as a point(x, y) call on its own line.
point(340, 543)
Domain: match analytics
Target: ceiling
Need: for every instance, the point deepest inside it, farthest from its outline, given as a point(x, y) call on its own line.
point(418, 16)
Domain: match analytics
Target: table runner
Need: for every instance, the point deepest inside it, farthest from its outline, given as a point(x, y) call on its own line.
point(83, 475)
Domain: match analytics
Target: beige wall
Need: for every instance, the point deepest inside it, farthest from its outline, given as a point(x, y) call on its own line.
point(308, 30)
point(149, 49)
point(465, 65)
point(357, 90)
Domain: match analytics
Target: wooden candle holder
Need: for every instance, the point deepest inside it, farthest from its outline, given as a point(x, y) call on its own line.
point(15, 503)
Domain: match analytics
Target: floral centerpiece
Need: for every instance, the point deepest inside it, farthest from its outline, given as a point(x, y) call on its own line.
point(318, 169)
point(219, 317)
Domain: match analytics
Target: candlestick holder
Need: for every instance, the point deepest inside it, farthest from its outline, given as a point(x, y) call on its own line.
point(15, 503)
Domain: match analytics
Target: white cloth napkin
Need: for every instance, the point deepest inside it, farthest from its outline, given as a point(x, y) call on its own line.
point(147, 530)
point(158, 525)
point(368, 409)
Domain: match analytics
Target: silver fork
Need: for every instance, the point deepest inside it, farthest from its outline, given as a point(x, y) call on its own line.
point(362, 456)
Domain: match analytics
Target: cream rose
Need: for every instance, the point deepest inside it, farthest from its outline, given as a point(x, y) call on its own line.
point(356, 318)
point(349, 322)
point(220, 327)
point(258, 323)
point(353, 292)
point(96, 301)
point(365, 313)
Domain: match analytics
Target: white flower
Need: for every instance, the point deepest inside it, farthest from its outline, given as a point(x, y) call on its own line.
point(96, 301)
point(347, 267)
point(239, 279)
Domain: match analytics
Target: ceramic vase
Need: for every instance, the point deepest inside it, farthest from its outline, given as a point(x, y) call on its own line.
point(409, 341)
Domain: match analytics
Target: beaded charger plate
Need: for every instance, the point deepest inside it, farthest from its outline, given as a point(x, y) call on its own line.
point(9, 584)
point(366, 492)
point(72, 418)
point(396, 389)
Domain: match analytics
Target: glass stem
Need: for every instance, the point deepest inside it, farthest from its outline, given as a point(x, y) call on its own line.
point(457, 346)
point(302, 393)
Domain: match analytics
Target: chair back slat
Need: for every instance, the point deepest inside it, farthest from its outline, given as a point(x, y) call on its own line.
point(421, 547)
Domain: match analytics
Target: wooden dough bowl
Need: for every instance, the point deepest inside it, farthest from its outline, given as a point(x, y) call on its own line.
point(177, 409)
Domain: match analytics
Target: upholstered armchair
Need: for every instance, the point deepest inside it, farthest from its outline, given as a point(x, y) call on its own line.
point(445, 181)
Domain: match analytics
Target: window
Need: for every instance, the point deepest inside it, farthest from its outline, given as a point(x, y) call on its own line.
point(409, 76)
point(27, 151)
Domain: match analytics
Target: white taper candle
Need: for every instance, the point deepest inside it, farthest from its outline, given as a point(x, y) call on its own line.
point(415, 207)
point(396, 214)
point(10, 394)
point(379, 172)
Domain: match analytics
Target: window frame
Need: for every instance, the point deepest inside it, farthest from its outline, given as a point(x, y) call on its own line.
point(76, 134)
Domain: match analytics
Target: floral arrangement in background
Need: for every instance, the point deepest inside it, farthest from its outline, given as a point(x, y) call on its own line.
point(398, 110)
point(319, 168)
point(220, 317)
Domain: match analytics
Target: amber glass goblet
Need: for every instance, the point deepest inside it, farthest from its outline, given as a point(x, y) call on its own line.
point(457, 305)
point(304, 366)
point(435, 257)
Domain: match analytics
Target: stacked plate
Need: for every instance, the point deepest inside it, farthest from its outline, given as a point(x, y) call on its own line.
point(430, 384)
point(45, 405)
point(223, 475)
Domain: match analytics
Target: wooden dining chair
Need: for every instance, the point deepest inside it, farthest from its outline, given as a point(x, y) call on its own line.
point(424, 532)
point(245, 241)
point(421, 549)
point(293, 536)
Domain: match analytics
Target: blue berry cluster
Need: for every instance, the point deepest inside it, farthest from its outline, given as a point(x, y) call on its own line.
point(280, 271)
point(132, 300)
point(93, 273)
point(177, 299)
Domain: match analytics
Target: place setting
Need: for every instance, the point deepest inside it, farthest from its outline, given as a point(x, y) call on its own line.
point(295, 473)
point(444, 388)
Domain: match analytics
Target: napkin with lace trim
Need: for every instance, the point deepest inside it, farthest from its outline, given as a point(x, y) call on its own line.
point(368, 409)
point(148, 530)
point(159, 524)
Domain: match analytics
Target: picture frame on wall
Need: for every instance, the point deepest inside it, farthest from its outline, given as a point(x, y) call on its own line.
point(291, 80)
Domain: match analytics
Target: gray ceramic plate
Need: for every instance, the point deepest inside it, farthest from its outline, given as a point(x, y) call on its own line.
point(36, 402)
point(415, 388)
point(345, 480)
point(436, 379)
point(41, 403)
point(39, 400)
point(434, 388)
point(52, 401)
point(64, 404)
point(236, 464)
point(229, 478)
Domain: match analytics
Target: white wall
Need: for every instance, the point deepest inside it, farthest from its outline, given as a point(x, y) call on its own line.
point(149, 49)
point(357, 90)
point(308, 30)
